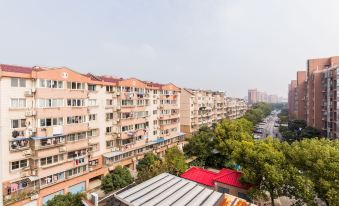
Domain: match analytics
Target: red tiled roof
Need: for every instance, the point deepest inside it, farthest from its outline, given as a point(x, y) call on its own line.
point(206, 177)
point(199, 175)
point(17, 69)
point(110, 79)
point(230, 177)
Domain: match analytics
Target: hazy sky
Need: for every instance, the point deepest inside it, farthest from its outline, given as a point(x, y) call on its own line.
point(229, 45)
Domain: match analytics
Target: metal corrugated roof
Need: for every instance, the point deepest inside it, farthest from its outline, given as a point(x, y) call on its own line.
point(166, 189)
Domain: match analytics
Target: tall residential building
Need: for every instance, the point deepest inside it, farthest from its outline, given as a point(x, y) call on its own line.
point(61, 130)
point(317, 95)
point(272, 98)
point(205, 107)
point(292, 99)
point(256, 96)
point(301, 90)
point(252, 96)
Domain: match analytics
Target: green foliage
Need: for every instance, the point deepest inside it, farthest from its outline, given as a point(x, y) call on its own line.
point(119, 178)
point(147, 161)
point(175, 161)
point(66, 200)
point(298, 130)
point(263, 165)
point(258, 112)
point(283, 116)
point(302, 170)
point(157, 167)
point(318, 161)
point(200, 145)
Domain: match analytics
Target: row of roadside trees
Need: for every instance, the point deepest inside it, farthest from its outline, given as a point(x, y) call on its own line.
point(304, 170)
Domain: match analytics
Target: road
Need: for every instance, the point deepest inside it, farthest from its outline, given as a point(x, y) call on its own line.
point(268, 128)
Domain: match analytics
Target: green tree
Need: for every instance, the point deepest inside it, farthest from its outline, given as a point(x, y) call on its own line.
point(66, 200)
point(228, 134)
point(119, 178)
point(175, 161)
point(318, 160)
point(147, 161)
point(157, 167)
point(200, 145)
point(262, 164)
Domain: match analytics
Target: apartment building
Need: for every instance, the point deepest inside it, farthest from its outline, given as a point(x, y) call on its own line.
point(62, 130)
point(317, 95)
point(252, 96)
point(235, 107)
point(256, 96)
point(292, 99)
point(301, 100)
point(205, 107)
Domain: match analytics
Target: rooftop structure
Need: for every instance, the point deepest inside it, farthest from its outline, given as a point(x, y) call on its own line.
point(166, 189)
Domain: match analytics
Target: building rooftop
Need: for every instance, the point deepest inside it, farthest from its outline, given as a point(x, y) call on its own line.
point(208, 178)
point(167, 189)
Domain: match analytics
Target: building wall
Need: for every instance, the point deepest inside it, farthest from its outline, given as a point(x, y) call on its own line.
point(88, 131)
point(232, 190)
point(301, 88)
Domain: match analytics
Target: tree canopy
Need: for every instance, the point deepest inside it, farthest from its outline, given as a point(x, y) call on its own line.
point(303, 169)
point(175, 161)
point(119, 178)
point(66, 200)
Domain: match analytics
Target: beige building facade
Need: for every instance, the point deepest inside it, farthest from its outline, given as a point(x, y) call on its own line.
point(205, 107)
point(62, 130)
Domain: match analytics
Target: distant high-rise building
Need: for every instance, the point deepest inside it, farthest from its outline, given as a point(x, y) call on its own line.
point(315, 95)
point(252, 96)
point(301, 90)
point(255, 96)
point(292, 99)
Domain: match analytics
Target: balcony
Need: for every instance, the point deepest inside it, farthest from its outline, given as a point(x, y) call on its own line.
point(21, 194)
point(19, 144)
point(47, 142)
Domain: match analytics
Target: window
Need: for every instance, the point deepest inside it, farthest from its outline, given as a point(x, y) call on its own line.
point(18, 82)
point(18, 103)
point(19, 164)
point(92, 87)
point(93, 148)
point(109, 143)
point(223, 190)
point(76, 136)
point(126, 128)
point(47, 122)
point(244, 196)
point(108, 130)
point(92, 102)
point(75, 102)
point(155, 112)
point(75, 85)
point(47, 103)
point(18, 123)
point(126, 102)
point(92, 117)
point(93, 133)
point(76, 171)
point(77, 153)
point(109, 116)
point(93, 162)
point(76, 119)
point(109, 102)
point(109, 88)
point(45, 83)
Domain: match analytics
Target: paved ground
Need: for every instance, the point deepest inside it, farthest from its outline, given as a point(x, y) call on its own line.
point(269, 128)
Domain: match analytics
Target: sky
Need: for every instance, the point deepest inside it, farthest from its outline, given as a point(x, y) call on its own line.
point(229, 45)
